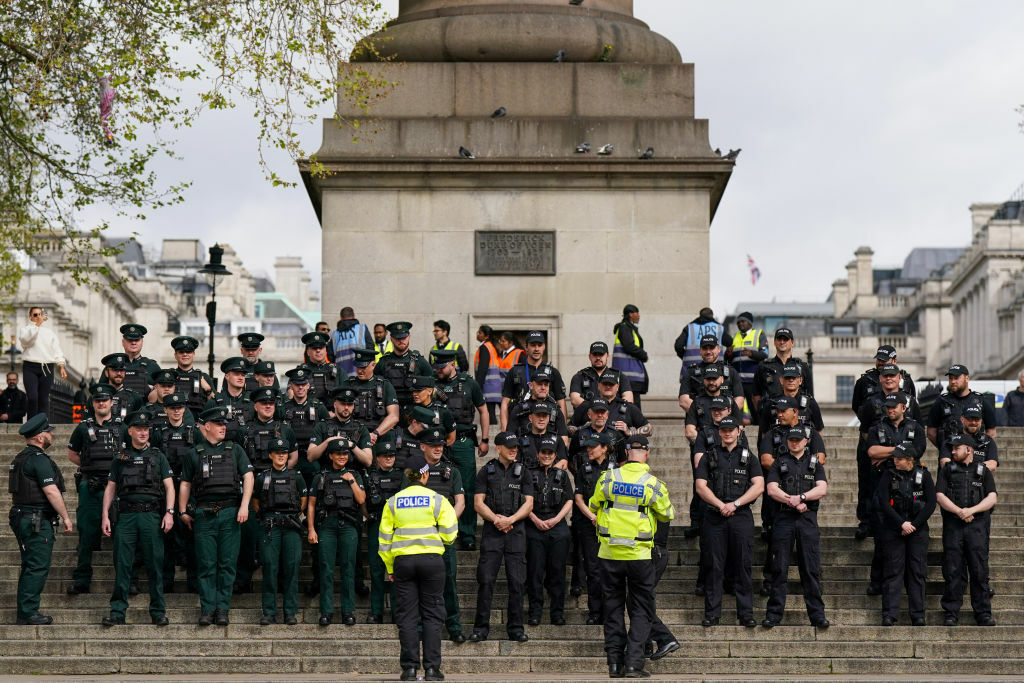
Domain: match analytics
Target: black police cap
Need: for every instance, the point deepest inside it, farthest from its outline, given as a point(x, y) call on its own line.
point(345, 395)
point(399, 330)
point(103, 392)
point(174, 399)
point(506, 439)
point(299, 375)
point(37, 424)
point(264, 367)
point(314, 339)
point(234, 364)
point(264, 395)
point(432, 437)
point(184, 343)
point(115, 361)
point(132, 331)
point(139, 418)
point(162, 377)
point(216, 414)
point(250, 340)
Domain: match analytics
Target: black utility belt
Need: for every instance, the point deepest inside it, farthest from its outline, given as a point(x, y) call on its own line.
point(215, 506)
point(125, 506)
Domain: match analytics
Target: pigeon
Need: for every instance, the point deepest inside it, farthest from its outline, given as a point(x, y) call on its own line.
point(560, 56)
point(718, 152)
point(465, 153)
point(648, 153)
point(499, 113)
point(576, 2)
point(583, 148)
point(606, 149)
point(733, 153)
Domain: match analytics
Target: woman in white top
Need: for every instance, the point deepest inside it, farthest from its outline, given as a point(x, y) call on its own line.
point(41, 352)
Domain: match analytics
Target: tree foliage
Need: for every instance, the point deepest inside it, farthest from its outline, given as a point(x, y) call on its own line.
point(65, 146)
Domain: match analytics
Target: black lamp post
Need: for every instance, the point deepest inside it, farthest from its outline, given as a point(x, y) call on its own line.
point(214, 271)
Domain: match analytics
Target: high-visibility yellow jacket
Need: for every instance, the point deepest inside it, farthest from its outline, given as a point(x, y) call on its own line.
point(416, 520)
point(629, 502)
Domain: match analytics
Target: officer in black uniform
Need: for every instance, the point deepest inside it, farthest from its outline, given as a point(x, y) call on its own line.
point(342, 426)
point(693, 384)
point(175, 438)
point(766, 379)
point(190, 381)
point(137, 368)
point(797, 482)
point(729, 480)
point(383, 480)
point(324, 376)
point(944, 417)
point(583, 385)
point(540, 392)
point(376, 400)
point(698, 418)
point(623, 416)
point(399, 365)
point(125, 401)
point(140, 480)
point(504, 499)
point(598, 422)
point(37, 506)
point(791, 381)
point(869, 383)
point(516, 386)
point(985, 449)
point(233, 398)
point(94, 444)
point(530, 442)
point(547, 534)
point(966, 492)
point(589, 469)
point(904, 499)
point(250, 346)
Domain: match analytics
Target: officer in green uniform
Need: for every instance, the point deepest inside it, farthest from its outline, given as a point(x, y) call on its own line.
point(342, 426)
point(333, 518)
point(250, 345)
point(446, 480)
point(217, 469)
point(175, 439)
point(163, 385)
point(94, 444)
point(324, 376)
point(125, 400)
point(137, 368)
point(463, 398)
point(302, 413)
point(233, 398)
point(37, 504)
point(400, 364)
point(278, 499)
point(383, 480)
point(266, 376)
point(140, 479)
point(195, 384)
point(376, 401)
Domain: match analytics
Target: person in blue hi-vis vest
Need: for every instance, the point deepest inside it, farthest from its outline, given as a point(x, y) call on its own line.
point(688, 342)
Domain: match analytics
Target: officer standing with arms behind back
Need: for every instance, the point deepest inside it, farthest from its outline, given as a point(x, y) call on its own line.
point(416, 526)
point(37, 504)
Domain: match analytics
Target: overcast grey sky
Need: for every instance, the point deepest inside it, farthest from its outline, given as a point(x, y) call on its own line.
point(873, 123)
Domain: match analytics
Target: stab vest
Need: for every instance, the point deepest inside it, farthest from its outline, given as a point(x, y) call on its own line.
point(549, 496)
point(136, 378)
point(398, 370)
point(218, 477)
point(728, 479)
point(140, 474)
point(381, 486)
point(906, 492)
point(521, 415)
point(257, 442)
point(26, 491)
point(302, 419)
point(797, 476)
point(458, 404)
point(322, 380)
point(101, 447)
point(240, 411)
point(966, 483)
point(504, 493)
point(440, 480)
point(370, 407)
point(278, 493)
point(176, 442)
point(334, 494)
point(190, 383)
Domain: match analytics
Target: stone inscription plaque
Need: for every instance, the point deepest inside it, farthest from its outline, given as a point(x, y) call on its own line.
point(515, 252)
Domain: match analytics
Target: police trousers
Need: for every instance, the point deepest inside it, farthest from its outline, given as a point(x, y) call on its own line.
point(337, 540)
point(464, 457)
point(965, 545)
point(905, 563)
point(793, 526)
point(496, 546)
point(629, 584)
point(589, 545)
point(87, 518)
point(730, 538)
point(419, 582)
point(36, 548)
point(138, 531)
point(660, 633)
point(378, 572)
point(280, 552)
point(217, 537)
point(546, 555)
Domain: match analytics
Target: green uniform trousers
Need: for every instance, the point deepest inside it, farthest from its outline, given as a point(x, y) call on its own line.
point(378, 572)
point(464, 456)
point(138, 531)
point(87, 517)
point(452, 621)
point(280, 552)
point(179, 550)
point(36, 548)
point(217, 537)
point(337, 539)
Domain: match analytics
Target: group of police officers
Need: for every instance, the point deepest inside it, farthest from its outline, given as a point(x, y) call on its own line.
point(383, 446)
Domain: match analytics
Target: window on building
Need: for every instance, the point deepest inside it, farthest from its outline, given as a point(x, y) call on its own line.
point(844, 388)
point(844, 330)
point(242, 329)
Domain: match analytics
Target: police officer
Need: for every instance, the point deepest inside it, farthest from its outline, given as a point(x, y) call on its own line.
point(324, 376)
point(583, 385)
point(94, 444)
point(504, 499)
point(163, 385)
point(376, 400)
point(137, 368)
point(383, 480)
point(694, 383)
point(445, 480)
point(464, 400)
point(540, 392)
point(869, 383)
point(597, 448)
point(698, 418)
point(530, 442)
point(792, 381)
point(629, 503)
point(140, 480)
point(400, 364)
point(630, 358)
point(729, 479)
point(767, 378)
point(218, 478)
point(966, 492)
point(797, 482)
point(250, 345)
point(547, 534)
point(985, 449)
point(334, 519)
point(279, 497)
point(943, 419)
point(624, 416)
point(238, 407)
point(175, 438)
point(342, 426)
point(265, 374)
point(516, 386)
point(417, 524)
point(904, 499)
point(37, 505)
point(189, 380)
point(125, 400)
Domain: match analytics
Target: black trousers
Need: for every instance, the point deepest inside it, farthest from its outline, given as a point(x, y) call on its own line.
point(38, 379)
point(589, 546)
point(769, 510)
point(803, 528)
point(905, 564)
point(697, 505)
point(629, 584)
point(864, 480)
point(494, 549)
point(419, 584)
point(965, 545)
point(728, 548)
point(546, 556)
point(576, 578)
point(659, 632)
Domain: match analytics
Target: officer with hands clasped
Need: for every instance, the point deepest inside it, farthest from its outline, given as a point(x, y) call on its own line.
point(333, 518)
point(589, 469)
point(547, 534)
point(966, 492)
point(416, 526)
point(729, 479)
point(140, 480)
point(383, 480)
point(37, 506)
point(279, 497)
point(904, 500)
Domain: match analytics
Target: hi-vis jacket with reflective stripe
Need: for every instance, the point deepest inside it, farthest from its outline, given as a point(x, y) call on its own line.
point(416, 520)
point(625, 500)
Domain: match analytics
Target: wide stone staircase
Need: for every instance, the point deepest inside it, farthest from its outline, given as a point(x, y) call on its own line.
point(856, 644)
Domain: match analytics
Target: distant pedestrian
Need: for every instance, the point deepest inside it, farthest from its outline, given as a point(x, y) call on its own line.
point(1013, 404)
point(629, 356)
point(12, 401)
point(40, 353)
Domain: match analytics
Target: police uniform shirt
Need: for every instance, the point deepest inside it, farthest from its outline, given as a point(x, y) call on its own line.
point(300, 484)
point(517, 381)
point(937, 416)
point(472, 393)
point(388, 396)
point(767, 379)
point(873, 411)
point(500, 477)
point(727, 462)
point(703, 443)
point(892, 436)
point(80, 436)
point(163, 470)
point(869, 384)
point(521, 416)
point(43, 470)
point(435, 483)
point(333, 426)
point(589, 376)
point(777, 445)
point(884, 497)
point(552, 485)
point(985, 448)
point(161, 438)
point(988, 485)
point(693, 385)
point(192, 469)
point(802, 465)
point(809, 413)
point(699, 414)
